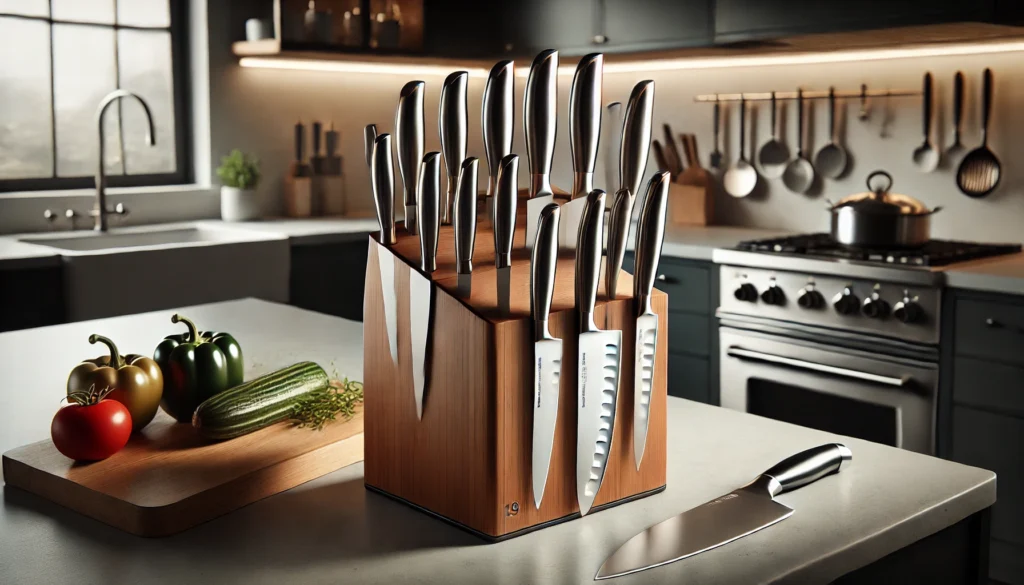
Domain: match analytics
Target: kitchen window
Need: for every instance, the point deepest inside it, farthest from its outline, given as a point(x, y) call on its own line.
point(58, 58)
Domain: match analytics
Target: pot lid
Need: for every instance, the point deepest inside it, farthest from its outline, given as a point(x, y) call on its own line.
point(880, 200)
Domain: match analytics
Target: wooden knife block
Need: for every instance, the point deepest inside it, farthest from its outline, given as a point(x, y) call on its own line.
point(468, 461)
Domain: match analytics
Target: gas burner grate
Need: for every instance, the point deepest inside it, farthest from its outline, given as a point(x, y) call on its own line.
point(934, 253)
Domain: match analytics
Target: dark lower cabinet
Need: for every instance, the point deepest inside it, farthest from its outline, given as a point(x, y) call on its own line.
point(329, 278)
point(31, 297)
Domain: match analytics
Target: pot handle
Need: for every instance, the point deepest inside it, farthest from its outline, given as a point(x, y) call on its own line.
point(880, 173)
point(935, 210)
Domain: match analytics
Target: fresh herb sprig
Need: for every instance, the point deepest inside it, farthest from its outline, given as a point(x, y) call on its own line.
point(316, 409)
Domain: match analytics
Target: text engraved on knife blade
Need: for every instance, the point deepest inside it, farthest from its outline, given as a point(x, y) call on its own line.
point(556, 370)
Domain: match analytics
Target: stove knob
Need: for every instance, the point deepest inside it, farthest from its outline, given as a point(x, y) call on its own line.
point(908, 311)
point(809, 298)
point(875, 307)
point(774, 295)
point(846, 303)
point(746, 292)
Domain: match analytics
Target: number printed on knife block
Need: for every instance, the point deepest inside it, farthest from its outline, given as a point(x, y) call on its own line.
point(468, 460)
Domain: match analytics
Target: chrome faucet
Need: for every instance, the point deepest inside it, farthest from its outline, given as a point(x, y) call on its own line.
point(101, 210)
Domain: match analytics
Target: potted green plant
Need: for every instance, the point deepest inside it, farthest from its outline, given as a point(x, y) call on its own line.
point(240, 175)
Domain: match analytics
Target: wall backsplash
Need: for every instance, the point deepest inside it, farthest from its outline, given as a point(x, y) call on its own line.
point(255, 109)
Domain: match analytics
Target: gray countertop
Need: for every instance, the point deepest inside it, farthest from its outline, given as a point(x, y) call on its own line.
point(1003, 274)
point(332, 531)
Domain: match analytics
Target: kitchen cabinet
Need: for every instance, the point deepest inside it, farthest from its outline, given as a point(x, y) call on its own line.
point(692, 288)
point(329, 278)
point(31, 297)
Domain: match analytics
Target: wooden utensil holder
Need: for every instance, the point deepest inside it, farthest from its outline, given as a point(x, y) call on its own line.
point(690, 204)
point(468, 460)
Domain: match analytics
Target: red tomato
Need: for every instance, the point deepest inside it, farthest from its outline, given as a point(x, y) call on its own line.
point(91, 432)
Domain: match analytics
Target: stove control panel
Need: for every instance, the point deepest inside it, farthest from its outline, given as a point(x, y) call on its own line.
point(866, 306)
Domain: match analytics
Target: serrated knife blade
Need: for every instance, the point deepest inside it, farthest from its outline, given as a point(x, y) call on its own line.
point(650, 235)
point(382, 183)
point(547, 351)
point(599, 361)
point(421, 288)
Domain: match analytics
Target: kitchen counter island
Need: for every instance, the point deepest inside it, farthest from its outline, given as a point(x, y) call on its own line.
point(891, 514)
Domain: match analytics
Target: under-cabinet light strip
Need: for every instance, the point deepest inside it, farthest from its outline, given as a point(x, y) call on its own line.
point(355, 66)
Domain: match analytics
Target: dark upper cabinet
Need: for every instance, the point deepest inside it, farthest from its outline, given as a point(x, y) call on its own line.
point(737, 20)
point(637, 25)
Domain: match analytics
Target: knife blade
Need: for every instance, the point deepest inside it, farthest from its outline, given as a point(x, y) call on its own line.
point(498, 115)
point(584, 132)
point(421, 288)
point(611, 138)
point(409, 142)
point(382, 182)
point(547, 351)
point(453, 123)
point(650, 235)
point(369, 137)
point(465, 225)
point(726, 518)
point(635, 148)
point(540, 117)
point(506, 195)
point(599, 361)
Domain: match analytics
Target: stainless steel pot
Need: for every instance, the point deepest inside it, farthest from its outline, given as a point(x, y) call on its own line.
point(880, 219)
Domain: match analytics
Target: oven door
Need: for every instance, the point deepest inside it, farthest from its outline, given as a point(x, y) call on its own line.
point(871, 396)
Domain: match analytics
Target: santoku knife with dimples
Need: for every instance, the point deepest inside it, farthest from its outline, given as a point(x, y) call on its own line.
point(409, 143)
point(650, 235)
point(382, 182)
point(540, 118)
point(464, 219)
point(584, 132)
point(421, 288)
point(497, 117)
point(453, 123)
point(599, 361)
point(547, 351)
point(506, 197)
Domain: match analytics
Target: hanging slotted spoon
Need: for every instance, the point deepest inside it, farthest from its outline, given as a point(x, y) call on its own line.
point(980, 171)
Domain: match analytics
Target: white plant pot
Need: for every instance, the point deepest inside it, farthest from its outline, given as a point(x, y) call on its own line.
point(239, 204)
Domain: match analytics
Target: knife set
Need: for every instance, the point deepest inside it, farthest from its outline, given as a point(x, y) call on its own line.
point(506, 389)
point(316, 187)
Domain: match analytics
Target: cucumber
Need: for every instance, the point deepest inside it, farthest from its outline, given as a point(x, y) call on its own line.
point(258, 403)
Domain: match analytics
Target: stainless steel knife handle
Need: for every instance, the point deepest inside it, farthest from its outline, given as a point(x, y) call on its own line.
point(506, 195)
point(369, 137)
point(803, 468)
point(542, 270)
point(611, 139)
point(618, 228)
point(497, 118)
point(428, 210)
point(409, 143)
point(540, 115)
point(650, 235)
point(585, 122)
point(465, 215)
point(382, 181)
point(453, 123)
point(588, 258)
point(636, 137)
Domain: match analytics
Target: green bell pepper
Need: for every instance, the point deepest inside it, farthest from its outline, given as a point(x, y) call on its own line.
point(196, 365)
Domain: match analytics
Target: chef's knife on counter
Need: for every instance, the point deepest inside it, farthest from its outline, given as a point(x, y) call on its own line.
point(547, 351)
point(726, 518)
point(635, 148)
point(369, 137)
point(382, 182)
point(611, 139)
point(650, 235)
point(540, 117)
point(497, 116)
point(421, 289)
point(584, 131)
point(453, 123)
point(599, 361)
point(409, 142)
point(506, 197)
point(464, 218)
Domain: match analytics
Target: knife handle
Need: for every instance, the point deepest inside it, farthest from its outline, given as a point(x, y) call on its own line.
point(636, 137)
point(409, 143)
point(382, 181)
point(465, 215)
point(588, 258)
point(300, 142)
point(618, 228)
point(585, 121)
point(540, 110)
point(659, 156)
point(542, 269)
point(804, 468)
point(506, 196)
point(317, 132)
point(369, 137)
point(427, 210)
point(650, 235)
point(453, 126)
point(497, 117)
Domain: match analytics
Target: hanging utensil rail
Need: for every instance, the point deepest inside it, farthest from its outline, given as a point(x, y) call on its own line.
point(808, 94)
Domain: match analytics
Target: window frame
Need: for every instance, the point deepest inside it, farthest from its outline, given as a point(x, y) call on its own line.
point(181, 89)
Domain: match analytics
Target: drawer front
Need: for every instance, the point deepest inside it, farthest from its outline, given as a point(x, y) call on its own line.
point(687, 286)
point(689, 333)
point(995, 442)
point(990, 329)
point(988, 385)
point(688, 377)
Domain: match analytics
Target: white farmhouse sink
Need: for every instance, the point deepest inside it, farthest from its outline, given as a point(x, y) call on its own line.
point(147, 268)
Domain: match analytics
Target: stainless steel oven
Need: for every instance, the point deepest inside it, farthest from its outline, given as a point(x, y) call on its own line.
point(872, 394)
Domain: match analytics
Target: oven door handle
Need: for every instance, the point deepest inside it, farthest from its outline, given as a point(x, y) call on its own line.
point(741, 353)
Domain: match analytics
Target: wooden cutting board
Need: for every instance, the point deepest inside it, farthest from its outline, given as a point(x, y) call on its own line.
point(168, 479)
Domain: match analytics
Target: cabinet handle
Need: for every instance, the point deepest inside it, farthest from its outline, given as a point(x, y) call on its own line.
point(666, 279)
